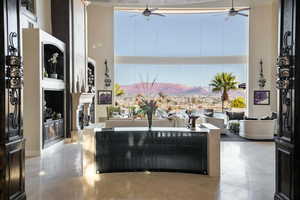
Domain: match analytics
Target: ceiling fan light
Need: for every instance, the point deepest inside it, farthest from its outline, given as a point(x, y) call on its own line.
point(86, 2)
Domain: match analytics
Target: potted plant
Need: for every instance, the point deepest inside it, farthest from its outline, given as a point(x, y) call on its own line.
point(234, 127)
point(53, 62)
point(45, 73)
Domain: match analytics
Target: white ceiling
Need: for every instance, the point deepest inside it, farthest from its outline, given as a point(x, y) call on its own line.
point(181, 3)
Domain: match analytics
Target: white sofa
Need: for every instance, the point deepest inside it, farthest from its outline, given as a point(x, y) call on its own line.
point(258, 129)
point(112, 123)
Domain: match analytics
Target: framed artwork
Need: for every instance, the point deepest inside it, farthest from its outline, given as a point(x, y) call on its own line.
point(104, 97)
point(262, 97)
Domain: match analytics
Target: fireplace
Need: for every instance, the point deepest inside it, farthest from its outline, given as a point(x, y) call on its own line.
point(81, 103)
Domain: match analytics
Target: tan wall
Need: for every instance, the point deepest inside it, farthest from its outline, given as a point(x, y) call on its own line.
point(262, 45)
point(100, 45)
point(43, 12)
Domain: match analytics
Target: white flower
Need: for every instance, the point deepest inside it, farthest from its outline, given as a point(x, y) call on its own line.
point(54, 58)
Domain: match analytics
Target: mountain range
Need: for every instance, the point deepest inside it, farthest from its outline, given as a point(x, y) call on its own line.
point(174, 89)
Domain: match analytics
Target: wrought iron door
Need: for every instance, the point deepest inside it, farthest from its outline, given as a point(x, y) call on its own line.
point(288, 84)
point(12, 153)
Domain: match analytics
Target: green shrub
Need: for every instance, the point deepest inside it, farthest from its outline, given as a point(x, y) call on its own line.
point(112, 109)
point(234, 127)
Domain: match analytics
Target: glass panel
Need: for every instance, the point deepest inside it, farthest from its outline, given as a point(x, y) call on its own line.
point(185, 40)
point(180, 35)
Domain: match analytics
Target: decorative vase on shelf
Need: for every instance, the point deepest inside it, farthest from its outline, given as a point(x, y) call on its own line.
point(53, 73)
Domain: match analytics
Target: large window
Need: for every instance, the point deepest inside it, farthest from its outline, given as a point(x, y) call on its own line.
point(183, 52)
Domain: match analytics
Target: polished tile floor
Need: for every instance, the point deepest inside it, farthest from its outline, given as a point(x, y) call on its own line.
point(247, 174)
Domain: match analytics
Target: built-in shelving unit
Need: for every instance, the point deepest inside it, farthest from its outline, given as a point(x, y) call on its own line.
point(44, 91)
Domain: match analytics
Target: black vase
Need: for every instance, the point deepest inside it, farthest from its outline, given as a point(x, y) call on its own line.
point(53, 72)
point(149, 117)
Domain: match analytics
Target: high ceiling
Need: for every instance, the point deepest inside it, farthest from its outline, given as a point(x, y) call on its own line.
point(178, 3)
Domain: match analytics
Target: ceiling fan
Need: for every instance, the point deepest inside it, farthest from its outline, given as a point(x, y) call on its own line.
point(151, 11)
point(233, 12)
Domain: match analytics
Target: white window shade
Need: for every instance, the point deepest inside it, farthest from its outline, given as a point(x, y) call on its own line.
point(188, 49)
point(180, 35)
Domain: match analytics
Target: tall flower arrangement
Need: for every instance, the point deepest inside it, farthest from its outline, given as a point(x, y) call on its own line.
point(147, 101)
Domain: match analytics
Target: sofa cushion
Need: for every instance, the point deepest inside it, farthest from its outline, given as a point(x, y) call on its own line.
point(266, 118)
point(274, 115)
point(235, 115)
point(209, 112)
point(250, 118)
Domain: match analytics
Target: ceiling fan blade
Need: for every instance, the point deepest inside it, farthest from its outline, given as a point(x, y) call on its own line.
point(243, 9)
point(153, 9)
point(158, 14)
point(243, 14)
point(219, 14)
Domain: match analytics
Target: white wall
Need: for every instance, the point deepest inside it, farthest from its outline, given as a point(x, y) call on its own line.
point(262, 45)
point(101, 45)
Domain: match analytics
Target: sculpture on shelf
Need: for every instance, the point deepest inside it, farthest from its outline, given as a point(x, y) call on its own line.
point(53, 62)
point(262, 81)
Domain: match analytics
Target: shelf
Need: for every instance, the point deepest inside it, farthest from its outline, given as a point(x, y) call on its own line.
point(53, 84)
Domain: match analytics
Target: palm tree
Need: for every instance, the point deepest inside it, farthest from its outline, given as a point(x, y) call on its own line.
point(224, 82)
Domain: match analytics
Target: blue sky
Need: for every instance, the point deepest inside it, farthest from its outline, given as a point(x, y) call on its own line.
point(179, 35)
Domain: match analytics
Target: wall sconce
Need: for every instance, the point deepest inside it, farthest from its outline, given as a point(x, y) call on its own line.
point(261, 81)
point(107, 80)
